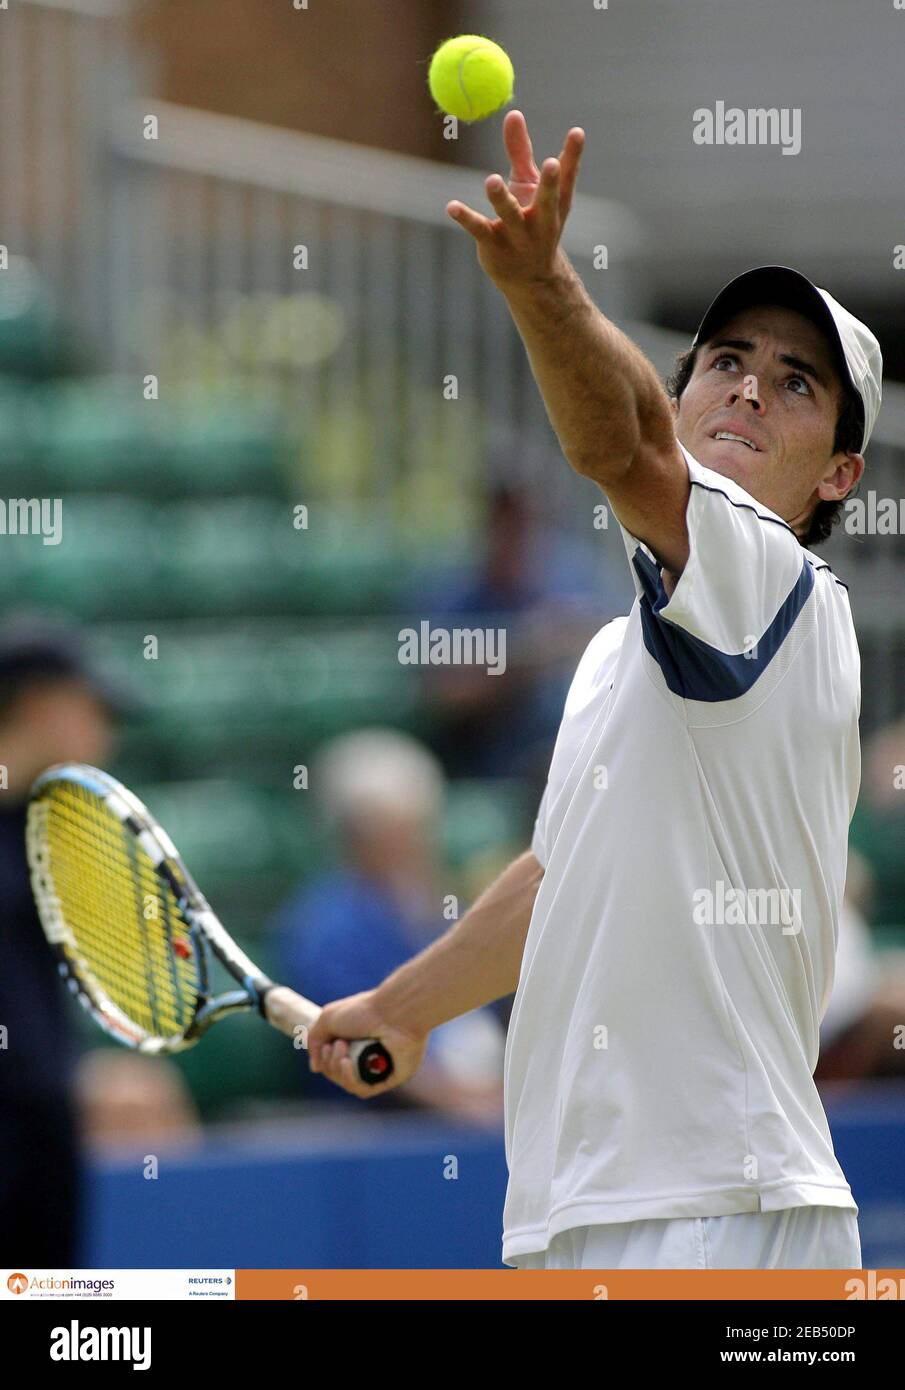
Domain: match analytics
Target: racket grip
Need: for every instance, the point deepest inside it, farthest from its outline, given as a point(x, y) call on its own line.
point(290, 1012)
point(373, 1061)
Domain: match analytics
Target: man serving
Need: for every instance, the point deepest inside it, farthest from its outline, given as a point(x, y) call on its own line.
point(672, 930)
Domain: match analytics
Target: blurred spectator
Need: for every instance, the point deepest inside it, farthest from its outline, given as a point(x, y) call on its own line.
point(55, 706)
point(125, 1101)
point(551, 592)
point(863, 1031)
point(878, 828)
point(347, 930)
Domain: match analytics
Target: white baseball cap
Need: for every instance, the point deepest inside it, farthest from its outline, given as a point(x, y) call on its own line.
point(777, 284)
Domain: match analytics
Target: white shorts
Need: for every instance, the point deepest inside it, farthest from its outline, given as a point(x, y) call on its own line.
point(796, 1238)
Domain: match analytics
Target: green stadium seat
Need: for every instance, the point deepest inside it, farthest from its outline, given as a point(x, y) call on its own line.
point(100, 434)
point(123, 557)
point(104, 566)
point(94, 434)
point(223, 443)
point(343, 564)
point(15, 451)
point(32, 339)
point(216, 558)
point(878, 836)
point(241, 1060)
point(484, 816)
point(243, 556)
point(265, 695)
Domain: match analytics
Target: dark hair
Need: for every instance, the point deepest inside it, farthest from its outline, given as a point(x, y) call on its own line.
point(849, 433)
point(13, 684)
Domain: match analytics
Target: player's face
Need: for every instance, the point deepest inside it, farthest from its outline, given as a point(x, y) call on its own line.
point(768, 375)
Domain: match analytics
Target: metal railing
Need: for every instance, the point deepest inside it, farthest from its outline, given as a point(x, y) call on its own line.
point(64, 66)
point(321, 273)
point(333, 275)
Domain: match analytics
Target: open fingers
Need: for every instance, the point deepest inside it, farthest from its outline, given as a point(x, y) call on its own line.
point(569, 161)
point(546, 202)
point(472, 221)
point(518, 147)
point(505, 204)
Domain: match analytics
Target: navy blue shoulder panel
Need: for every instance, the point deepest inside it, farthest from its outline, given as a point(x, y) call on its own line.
point(693, 669)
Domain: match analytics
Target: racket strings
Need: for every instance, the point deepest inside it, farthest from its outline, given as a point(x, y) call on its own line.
point(122, 919)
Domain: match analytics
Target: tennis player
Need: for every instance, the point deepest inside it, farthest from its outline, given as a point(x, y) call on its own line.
point(672, 930)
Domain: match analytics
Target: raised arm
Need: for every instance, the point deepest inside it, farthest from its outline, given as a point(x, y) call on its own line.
point(472, 964)
point(605, 401)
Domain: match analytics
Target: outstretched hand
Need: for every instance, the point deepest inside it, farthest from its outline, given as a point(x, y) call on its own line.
point(519, 245)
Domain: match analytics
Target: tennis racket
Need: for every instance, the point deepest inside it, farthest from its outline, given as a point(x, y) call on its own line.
point(133, 936)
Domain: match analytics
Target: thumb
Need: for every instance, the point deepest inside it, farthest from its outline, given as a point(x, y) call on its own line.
point(348, 1018)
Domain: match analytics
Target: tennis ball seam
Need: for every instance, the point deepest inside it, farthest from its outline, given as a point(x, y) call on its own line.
point(478, 47)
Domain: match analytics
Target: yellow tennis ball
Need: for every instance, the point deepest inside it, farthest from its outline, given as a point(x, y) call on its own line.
point(470, 77)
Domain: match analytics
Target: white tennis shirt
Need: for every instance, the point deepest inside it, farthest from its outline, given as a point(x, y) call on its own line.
point(693, 832)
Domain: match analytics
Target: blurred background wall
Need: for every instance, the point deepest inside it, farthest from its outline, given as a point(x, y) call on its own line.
point(634, 75)
point(346, 70)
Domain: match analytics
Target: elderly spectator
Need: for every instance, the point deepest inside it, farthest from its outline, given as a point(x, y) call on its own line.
point(384, 795)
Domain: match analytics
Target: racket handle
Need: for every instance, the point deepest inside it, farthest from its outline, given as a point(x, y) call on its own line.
point(287, 1011)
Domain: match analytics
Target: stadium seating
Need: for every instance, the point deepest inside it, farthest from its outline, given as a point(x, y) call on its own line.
point(249, 632)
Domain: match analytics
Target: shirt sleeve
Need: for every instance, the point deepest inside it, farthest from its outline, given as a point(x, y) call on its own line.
point(746, 580)
point(539, 837)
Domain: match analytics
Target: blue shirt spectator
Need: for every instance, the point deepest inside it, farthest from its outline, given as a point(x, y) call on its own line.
point(383, 794)
point(339, 935)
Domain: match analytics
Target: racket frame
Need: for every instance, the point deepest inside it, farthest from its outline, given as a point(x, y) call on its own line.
point(205, 931)
point(292, 1014)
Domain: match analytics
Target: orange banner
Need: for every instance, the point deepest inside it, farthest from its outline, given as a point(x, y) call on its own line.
point(370, 1285)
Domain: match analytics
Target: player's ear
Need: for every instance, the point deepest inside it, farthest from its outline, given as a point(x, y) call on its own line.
point(674, 406)
point(851, 472)
point(847, 475)
point(856, 463)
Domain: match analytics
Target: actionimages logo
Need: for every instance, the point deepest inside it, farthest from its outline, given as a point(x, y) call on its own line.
point(75, 1343)
point(45, 1285)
